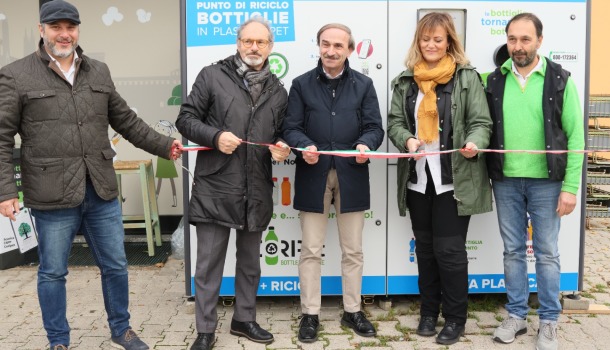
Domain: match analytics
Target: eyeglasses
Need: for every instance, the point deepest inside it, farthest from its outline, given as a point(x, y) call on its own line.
point(261, 43)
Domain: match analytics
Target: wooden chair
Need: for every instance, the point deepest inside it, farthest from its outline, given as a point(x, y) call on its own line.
point(150, 219)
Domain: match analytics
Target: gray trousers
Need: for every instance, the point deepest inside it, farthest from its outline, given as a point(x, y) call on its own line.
point(212, 242)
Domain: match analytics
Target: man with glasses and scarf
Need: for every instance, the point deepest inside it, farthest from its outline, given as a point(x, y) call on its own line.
point(235, 100)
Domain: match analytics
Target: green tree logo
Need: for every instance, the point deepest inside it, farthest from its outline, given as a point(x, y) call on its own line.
point(24, 230)
point(176, 98)
point(278, 64)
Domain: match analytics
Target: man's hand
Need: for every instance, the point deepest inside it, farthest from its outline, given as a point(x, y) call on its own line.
point(9, 208)
point(566, 203)
point(176, 150)
point(362, 149)
point(280, 151)
point(311, 158)
point(470, 150)
point(228, 142)
point(413, 145)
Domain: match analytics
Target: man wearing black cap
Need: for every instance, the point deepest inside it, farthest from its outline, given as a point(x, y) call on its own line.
point(61, 103)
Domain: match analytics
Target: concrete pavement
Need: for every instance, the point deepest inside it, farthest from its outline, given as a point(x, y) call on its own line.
point(165, 319)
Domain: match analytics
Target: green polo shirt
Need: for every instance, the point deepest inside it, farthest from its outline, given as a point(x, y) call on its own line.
point(524, 128)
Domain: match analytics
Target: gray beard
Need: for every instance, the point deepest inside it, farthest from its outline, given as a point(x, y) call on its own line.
point(253, 62)
point(56, 52)
point(61, 54)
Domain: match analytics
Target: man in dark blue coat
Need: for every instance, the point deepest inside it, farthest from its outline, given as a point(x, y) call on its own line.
point(332, 107)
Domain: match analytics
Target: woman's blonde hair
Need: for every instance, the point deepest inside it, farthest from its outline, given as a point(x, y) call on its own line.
point(429, 23)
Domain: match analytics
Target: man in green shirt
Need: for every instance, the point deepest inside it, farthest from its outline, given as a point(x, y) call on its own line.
point(541, 185)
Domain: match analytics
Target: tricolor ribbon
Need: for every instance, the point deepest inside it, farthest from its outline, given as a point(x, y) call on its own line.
point(389, 155)
point(189, 148)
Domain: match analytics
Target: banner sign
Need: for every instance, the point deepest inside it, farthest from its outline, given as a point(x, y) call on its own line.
point(216, 22)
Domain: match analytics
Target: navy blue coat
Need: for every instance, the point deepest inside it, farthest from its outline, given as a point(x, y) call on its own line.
point(340, 122)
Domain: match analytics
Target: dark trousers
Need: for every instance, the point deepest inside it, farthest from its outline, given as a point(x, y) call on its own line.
point(442, 261)
point(212, 242)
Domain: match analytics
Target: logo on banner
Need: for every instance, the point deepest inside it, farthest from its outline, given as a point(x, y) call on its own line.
point(496, 19)
point(412, 247)
point(529, 239)
point(364, 49)
point(271, 247)
point(278, 64)
point(24, 231)
point(276, 251)
point(472, 248)
point(216, 22)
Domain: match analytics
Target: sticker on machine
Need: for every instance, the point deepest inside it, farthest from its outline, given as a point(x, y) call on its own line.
point(561, 56)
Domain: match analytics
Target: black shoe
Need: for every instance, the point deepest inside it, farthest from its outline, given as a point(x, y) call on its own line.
point(204, 341)
point(450, 334)
point(252, 331)
point(308, 328)
point(358, 322)
point(427, 326)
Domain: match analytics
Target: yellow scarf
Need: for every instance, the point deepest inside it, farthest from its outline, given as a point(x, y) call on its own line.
point(427, 80)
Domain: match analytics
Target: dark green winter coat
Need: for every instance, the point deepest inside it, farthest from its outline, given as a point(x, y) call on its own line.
point(470, 123)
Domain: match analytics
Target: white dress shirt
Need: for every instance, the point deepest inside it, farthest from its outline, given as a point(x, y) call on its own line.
point(434, 163)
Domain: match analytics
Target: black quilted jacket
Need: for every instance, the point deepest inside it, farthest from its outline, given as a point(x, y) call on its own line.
point(64, 130)
point(232, 190)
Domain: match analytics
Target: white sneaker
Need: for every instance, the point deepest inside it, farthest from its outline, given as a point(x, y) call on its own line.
point(547, 337)
point(509, 329)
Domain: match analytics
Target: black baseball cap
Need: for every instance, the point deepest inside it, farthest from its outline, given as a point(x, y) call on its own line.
point(56, 10)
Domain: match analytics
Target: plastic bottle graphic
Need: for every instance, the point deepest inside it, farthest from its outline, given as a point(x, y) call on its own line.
point(275, 191)
point(286, 191)
point(530, 237)
point(271, 247)
point(412, 250)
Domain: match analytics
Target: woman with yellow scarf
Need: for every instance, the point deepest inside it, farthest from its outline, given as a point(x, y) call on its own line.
point(439, 104)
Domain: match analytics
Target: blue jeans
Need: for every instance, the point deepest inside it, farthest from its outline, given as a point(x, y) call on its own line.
point(515, 197)
point(101, 223)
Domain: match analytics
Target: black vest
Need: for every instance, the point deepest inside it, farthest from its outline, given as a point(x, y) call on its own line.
point(555, 80)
